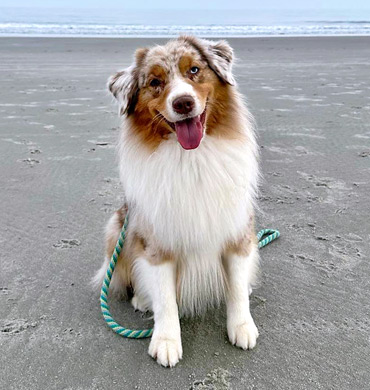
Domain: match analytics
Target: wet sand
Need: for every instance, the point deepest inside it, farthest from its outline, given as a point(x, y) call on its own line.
point(59, 185)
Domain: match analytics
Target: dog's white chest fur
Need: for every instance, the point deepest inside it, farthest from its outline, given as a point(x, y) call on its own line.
point(194, 202)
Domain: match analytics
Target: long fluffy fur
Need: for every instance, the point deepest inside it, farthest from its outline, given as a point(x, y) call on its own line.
point(193, 202)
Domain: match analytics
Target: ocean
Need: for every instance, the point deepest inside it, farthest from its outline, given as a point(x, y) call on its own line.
point(167, 23)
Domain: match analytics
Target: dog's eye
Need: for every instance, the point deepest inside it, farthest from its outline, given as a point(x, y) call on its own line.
point(155, 83)
point(194, 70)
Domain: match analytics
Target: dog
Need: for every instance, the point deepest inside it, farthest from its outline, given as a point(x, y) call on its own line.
point(188, 162)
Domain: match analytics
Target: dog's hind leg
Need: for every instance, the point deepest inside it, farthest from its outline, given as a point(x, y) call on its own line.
point(119, 281)
point(139, 303)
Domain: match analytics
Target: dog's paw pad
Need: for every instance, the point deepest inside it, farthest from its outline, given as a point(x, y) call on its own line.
point(168, 352)
point(244, 335)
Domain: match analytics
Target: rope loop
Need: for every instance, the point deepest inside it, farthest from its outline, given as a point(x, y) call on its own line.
point(269, 234)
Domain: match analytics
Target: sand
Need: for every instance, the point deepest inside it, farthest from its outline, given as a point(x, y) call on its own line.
point(59, 185)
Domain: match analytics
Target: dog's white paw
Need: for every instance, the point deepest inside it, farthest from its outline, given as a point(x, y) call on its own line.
point(244, 335)
point(168, 352)
point(139, 304)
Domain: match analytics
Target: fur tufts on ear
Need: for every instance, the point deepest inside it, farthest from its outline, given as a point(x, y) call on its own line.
point(219, 56)
point(124, 85)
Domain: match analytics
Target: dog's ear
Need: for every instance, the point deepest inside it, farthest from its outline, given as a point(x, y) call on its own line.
point(219, 56)
point(124, 85)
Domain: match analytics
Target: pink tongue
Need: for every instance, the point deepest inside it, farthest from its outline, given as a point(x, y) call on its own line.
point(189, 132)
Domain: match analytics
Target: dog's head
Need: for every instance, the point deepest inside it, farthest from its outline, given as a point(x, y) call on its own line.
point(174, 88)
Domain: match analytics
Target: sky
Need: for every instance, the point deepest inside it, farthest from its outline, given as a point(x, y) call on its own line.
point(192, 4)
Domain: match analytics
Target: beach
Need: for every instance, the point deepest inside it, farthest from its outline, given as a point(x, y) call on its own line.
point(59, 182)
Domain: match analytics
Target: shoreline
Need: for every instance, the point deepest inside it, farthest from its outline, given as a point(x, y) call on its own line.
point(170, 36)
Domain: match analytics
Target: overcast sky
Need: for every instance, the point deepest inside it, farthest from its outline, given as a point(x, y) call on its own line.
point(192, 4)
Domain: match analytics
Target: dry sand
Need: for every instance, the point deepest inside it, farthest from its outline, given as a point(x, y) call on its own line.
point(59, 185)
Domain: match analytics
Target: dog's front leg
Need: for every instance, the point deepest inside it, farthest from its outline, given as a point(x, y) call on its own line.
point(240, 271)
point(165, 345)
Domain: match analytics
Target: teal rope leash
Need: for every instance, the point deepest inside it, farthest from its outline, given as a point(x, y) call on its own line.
point(269, 234)
point(104, 306)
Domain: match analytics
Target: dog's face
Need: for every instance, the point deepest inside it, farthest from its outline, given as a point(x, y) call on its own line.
point(173, 88)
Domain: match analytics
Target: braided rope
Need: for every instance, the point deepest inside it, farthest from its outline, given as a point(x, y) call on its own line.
point(104, 306)
point(270, 234)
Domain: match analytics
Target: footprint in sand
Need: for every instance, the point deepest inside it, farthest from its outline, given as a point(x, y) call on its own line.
point(67, 243)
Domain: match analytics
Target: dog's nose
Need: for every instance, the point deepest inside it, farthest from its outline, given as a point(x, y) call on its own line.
point(183, 104)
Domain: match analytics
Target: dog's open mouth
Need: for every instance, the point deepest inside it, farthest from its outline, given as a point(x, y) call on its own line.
point(189, 131)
